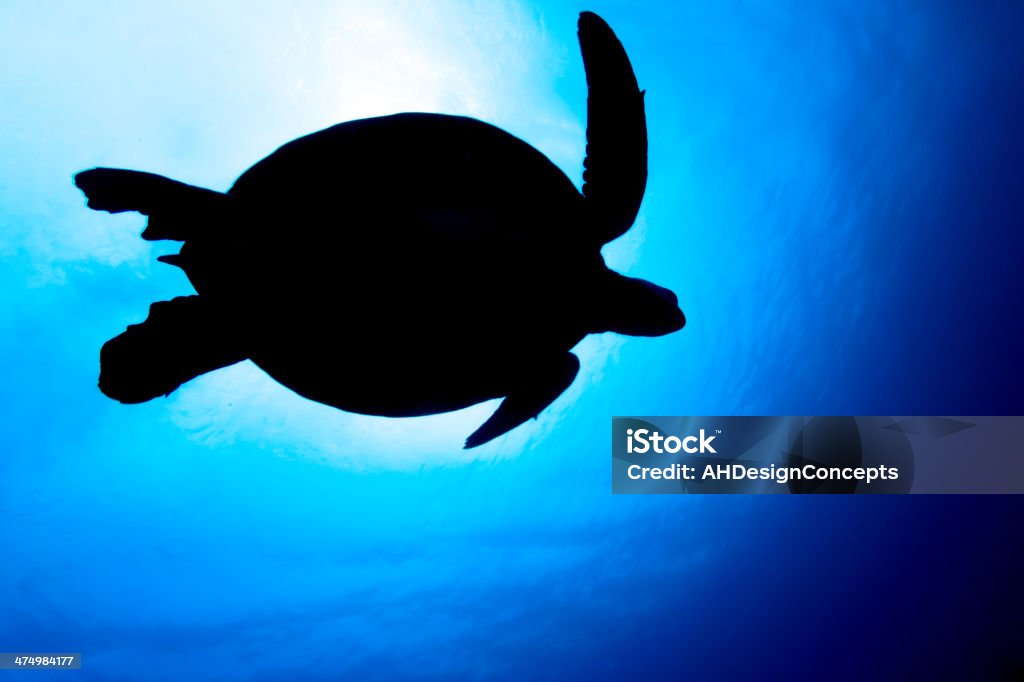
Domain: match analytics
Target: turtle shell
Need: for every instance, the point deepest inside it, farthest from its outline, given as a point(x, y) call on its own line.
point(402, 170)
point(421, 242)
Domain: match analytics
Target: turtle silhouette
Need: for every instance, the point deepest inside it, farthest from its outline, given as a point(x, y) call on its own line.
point(402, 265)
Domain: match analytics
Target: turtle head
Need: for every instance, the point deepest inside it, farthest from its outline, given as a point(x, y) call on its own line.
point(638, 308)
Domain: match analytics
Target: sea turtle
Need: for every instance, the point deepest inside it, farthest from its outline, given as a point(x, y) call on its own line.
point(402, 265)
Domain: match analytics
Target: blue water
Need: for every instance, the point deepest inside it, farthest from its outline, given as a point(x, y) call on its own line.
point(835, 194)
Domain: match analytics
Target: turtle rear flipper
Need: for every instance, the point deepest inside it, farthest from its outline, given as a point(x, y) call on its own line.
point(180, 340)
point(176, 211)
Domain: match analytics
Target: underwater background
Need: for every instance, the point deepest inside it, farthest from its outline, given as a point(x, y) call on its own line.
point(835, 194)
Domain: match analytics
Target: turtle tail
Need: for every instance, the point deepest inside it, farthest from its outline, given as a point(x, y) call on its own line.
point(175, 210)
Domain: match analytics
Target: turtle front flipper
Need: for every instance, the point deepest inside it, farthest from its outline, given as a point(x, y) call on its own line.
point(615, 174)
point(180, 340)
point(548, 381)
